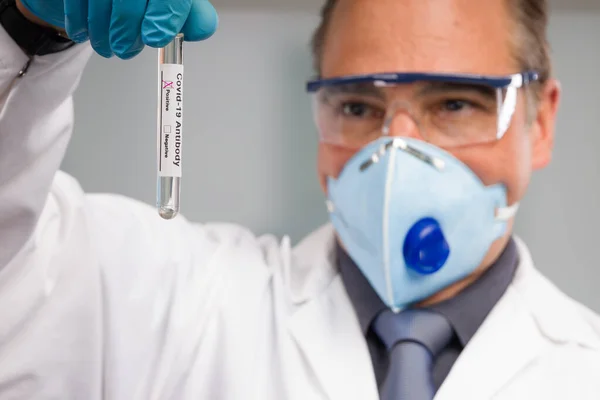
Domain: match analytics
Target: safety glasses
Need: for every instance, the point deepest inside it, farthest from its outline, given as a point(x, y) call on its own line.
point(447, 110)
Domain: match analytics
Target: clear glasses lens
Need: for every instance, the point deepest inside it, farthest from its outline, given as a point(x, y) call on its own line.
point(445, 114)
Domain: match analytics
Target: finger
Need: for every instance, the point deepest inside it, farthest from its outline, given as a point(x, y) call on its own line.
point(76, 12)
point(163, 20)
point(202, 22)
point(126, 27)
point(98, 26)
point(47, 12)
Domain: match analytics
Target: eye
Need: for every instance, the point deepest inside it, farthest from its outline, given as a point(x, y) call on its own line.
point(355, 109)
point(359, 110)
point(455, 105)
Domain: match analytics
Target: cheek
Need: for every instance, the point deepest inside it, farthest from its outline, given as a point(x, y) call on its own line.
point(522, 159)
point(507, 161)
point(331, 161)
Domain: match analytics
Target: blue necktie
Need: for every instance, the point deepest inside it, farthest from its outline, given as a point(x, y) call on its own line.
point(413, 339)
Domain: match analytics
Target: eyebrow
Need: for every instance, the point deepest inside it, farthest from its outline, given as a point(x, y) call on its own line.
point(358, 89)
point(445, 87)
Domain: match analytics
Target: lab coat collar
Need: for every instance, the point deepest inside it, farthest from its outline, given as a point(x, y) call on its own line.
point(313, 265)
point(530, 316)
point(558, 317)
point(325, 325)
point(507, 341)
point(328, 333)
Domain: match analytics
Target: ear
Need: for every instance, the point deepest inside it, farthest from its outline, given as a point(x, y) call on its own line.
point(542, 129)
point(331, 161)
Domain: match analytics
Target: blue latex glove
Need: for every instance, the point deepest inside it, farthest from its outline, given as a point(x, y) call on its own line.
point(123, 27)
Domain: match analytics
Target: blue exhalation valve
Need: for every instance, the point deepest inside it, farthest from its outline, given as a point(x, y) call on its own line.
point(425, 247)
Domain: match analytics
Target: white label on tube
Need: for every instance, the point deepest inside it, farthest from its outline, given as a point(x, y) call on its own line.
point(170, 124)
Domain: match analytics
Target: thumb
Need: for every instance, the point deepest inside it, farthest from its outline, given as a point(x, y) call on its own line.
point(202, 21)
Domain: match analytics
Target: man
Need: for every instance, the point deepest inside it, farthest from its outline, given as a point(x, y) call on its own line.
point(432, 116)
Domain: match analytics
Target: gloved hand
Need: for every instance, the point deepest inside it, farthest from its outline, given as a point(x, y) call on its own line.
point(122, 27)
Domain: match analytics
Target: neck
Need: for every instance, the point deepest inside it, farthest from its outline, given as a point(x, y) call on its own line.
point(491, 257)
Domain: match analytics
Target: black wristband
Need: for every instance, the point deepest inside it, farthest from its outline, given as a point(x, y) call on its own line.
point(32, 38)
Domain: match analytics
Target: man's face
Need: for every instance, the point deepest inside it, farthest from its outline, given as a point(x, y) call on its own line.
point(444, 36)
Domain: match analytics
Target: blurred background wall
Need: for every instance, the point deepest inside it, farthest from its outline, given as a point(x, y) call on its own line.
point(250, 142)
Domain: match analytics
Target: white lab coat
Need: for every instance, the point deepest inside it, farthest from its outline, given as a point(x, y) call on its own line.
point(101, 299)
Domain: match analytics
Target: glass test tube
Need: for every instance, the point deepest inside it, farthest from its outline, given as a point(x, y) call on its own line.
point(170, 127)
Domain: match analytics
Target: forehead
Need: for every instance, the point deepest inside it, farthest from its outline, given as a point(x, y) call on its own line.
point(452, 36)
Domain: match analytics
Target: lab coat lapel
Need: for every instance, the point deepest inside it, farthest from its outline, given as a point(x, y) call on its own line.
point(328, 333)
point(508, 340)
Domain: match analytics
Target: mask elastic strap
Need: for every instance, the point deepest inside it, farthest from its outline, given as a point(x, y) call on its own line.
point(503, 214)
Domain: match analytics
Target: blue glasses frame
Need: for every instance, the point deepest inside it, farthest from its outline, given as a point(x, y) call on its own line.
point(498, 82)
